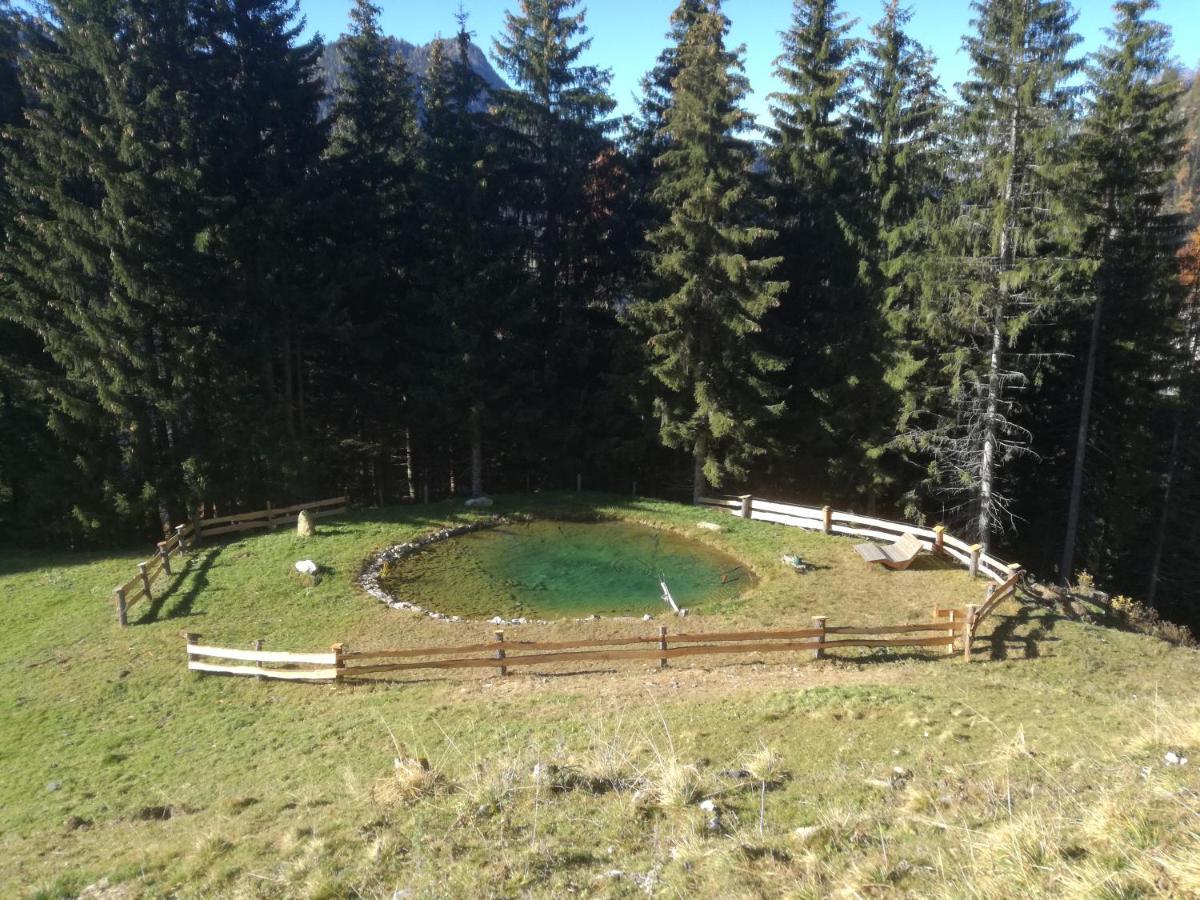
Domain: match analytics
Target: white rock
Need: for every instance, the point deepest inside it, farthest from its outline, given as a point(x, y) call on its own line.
point(497, 621)
point(479, 503)
point(708, 806)
point(647, 617)
point(1175, 759)
point(307, 567)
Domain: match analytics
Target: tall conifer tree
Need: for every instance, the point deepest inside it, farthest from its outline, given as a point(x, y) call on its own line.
point(711, 285)
point(824, 320)
point(1131, 139)
point(1002, 257)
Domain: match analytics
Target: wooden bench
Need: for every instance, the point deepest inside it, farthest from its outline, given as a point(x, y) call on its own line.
point(898, 556)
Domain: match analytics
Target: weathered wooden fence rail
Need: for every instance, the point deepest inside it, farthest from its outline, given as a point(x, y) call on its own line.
point(831, 521)
point(140, 586)
point(340, 664)
point(190, 535)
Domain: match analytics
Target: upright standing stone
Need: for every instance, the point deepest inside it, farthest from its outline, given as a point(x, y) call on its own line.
point(306, 525)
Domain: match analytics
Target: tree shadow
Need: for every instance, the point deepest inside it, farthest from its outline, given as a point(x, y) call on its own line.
point(199, 581)
point(1025, 631)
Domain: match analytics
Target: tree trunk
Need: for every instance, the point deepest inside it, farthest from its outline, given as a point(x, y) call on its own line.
point(1081, 442)
point(1161, 537)
point(698, 484)
point(987, 465)
point(476, 429)
point(408, 465)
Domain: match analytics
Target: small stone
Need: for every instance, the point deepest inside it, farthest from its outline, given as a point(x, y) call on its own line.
point(307, 567)
point(1175, 759)
point(306, 525)
point(496, 620)
point(53, 786)
point(708, 806)
point(479, 503)
point(806, 833)
point(647, 617)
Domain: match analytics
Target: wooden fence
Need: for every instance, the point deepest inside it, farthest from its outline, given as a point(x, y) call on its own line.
point(339, 663)
point(830, 521)
point(139, 587)
point(191, 535)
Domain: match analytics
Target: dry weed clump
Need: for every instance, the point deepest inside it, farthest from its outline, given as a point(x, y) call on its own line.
point(411, 779)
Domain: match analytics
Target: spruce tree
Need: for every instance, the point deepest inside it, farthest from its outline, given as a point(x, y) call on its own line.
point(824, 320)
point(370, 175)
point(469, 259)
point(898, 116)
point(1131, 138)
point(557, 165)
point(1002, 256)
point(711, 285)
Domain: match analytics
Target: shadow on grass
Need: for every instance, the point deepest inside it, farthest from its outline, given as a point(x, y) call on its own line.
point(182, 608)
point(1025, 632)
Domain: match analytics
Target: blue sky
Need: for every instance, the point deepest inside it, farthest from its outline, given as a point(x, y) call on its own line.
point(627, 35)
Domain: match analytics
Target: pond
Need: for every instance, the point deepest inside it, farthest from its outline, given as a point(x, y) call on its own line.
point(551, 569)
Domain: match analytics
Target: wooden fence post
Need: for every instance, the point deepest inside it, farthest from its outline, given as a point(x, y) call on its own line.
point(166, 557)
point(258, 645)
point(197, 533)
point(339, 664)
point(976, 549)
point(500, 652)
point(179, 537)
point(747, 506)
point(818, 622)
point(270, 518)
point(662, 645)
point(145, 580)
point(939, 538)
point(119, 595)
point(950, 647)
point(190, 637)
point(968, 632)
point(827, 517)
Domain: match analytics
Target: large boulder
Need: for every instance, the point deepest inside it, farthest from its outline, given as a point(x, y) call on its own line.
point(306, 525)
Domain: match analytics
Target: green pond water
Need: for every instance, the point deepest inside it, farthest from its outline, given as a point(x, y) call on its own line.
point(547, 570)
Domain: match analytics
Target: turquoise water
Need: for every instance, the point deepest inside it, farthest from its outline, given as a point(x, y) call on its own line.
point(549, 570)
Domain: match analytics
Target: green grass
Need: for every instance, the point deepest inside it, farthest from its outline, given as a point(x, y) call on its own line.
point(1038, 768)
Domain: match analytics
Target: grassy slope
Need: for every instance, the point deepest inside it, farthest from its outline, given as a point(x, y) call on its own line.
point(1040, 769)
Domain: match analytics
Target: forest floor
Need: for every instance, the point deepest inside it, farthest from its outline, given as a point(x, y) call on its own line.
point(1041, 767)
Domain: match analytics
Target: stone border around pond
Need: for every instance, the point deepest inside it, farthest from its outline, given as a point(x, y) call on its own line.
point(370, 577)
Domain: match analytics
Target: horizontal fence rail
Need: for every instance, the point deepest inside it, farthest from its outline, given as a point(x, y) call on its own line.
point(340, 664)
point(186, 537)
point(831, 521)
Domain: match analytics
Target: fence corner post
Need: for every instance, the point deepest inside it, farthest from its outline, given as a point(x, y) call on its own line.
point(662, 646)
point(190, 638)
point(258, 645)
point(950, 651)
point(827, 518)
point(179, 537)
point(500, 652)
point(969, 631)
point(976, 549)
point(339, 663)
point(747, 505)
point(145, 580)
point(939, 538)
point(818, 622)
point(166, 557)
point(122, 616)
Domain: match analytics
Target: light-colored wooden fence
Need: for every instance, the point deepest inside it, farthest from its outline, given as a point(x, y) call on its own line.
point(831, 521)
point(192, 534)
point(500, 654)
